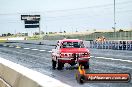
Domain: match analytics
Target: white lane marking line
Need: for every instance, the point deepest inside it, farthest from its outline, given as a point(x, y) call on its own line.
point(4, 45)
point(42, 50)
point(34, 49)
point(11, 46)
point(127, 61)
point(126, 67)
point(49, 51)
point(91, 56)
point(26, 48)
point(18, 47)
point(114, 59)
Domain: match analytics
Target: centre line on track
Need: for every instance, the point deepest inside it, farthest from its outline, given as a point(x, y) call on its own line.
point(26, 48)
point(11, 46)
point(49, 51)
point(34, 49)
point(42, 50)
point(114, 59)
point(91, 56)
point(4, 45)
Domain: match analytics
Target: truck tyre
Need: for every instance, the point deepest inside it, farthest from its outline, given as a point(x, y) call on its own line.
point(72, 64)
point(60, 65)
point(86, 65)
point(53, 64)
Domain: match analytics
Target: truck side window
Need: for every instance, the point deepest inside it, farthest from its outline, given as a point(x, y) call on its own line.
point(58, 47)
point(55, 46)
point(82, 44)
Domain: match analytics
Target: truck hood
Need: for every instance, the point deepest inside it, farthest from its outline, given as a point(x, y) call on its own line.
point(73, 50)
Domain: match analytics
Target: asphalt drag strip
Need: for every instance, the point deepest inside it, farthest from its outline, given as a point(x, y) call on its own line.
point(41, 62)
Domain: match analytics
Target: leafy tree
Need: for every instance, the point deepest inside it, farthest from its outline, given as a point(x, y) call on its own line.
point(3, 35)
point(121, 30)
point(9, 34)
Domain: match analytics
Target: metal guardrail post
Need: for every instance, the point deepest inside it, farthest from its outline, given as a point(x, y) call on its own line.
point(102, 45)
point(90, 44)
point(121, 45)
point(131, 45)
point(109, 45)
point(126, 45)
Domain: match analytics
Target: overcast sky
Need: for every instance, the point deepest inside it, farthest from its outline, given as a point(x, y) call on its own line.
point(68, 15)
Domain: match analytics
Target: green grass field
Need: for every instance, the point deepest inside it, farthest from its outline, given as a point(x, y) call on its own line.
point(3, 41)
point(108, 35)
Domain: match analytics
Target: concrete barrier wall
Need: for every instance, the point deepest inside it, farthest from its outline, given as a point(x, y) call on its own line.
point(15, 75)
point(3, 83)
point(14, 78)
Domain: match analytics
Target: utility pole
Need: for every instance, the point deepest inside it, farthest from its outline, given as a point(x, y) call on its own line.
point(46, 28)
point(39, 29)
point(114, 22)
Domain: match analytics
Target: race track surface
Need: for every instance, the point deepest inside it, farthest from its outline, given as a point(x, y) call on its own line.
point(38, 57)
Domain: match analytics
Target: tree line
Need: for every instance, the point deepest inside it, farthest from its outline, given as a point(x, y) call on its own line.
point(8, 34)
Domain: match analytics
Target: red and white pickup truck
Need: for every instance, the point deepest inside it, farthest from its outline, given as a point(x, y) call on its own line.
point(70, 51)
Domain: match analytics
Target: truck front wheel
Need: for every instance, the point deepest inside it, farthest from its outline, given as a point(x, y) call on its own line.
point(53, 64)
point(60, 65)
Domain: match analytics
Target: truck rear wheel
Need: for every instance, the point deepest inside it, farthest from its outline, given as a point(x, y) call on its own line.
point(85, 64)
point(53, 64)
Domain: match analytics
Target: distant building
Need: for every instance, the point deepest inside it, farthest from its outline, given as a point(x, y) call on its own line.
point(31, 31)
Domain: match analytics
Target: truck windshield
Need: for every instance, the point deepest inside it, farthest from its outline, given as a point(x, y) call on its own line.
point(72, 45)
